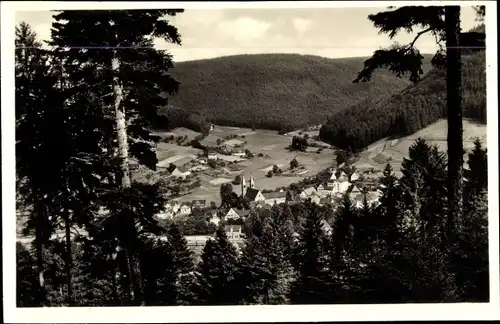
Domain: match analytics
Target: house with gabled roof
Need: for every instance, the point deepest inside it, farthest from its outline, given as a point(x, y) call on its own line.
point(274, 198)
point(180, 172)
point(343, 186)
point(342, 176)
point(354, 176)
point(234, 231)
point(354, 190)
point(215, 219)
point(185, 209)
point(235, 213)
point(310, 193)
point(330, 188)
point(199, 204)
point(253, 194)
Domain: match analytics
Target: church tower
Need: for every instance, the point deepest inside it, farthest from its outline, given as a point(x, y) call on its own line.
point(252, 182)
point(243, 186)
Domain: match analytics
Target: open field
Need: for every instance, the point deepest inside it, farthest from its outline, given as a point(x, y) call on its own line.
point(269, 168)
point(274, 150)
point(377, 154)
point(175, 154)
point(219, 181)
point(230, 158)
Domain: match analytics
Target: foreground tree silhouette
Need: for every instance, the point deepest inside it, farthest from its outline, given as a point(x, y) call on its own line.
point(444, 24)
point(424, 186)
point(182, 266)
point(31, 142)
point(311, 286)
point(128, 84)
point(216, 272)
point(26, 278)
point(477, 173)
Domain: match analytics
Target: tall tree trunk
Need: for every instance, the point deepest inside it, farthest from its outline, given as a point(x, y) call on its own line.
point(121, 126)
point(66, 214)
point(455, 127)
point(455, 148)
point(39, 212)
point(40, 267)
point(69, 256)
point(121, 130)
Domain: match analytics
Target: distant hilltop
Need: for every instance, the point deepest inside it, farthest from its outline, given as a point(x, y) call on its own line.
point(280, 92)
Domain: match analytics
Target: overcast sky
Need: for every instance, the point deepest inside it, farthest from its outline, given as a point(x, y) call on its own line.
point(330, 32)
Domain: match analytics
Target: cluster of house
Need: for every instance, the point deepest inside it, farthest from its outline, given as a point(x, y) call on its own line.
point(327, 193)
point(337, 185)
point(178, 171)
point(176, 208)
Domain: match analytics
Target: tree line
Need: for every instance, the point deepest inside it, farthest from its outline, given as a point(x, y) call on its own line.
point(405, 113)
point(394, 252)
point(281, 92)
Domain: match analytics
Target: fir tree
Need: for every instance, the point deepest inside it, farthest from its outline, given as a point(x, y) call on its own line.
point(216, 272)
point(159, 273)
point(389, 218)
point(444, 24)
point(342, 256)
point(120, 82)
point(26, 278)
point(477, 173)
point(265, 271)
point(472, 256)
point(311, 284)
point(424, 186)
point(254, 270)
point(183, 265)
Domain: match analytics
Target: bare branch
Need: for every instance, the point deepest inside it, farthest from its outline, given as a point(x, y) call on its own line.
point(412, 44)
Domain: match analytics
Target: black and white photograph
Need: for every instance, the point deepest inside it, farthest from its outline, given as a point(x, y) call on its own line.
point(164, 156)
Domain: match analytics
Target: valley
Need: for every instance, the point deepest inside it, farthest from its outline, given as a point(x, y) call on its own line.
point(270, 148)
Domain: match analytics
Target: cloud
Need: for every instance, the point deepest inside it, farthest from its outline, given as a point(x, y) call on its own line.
point(209, 33)
point(243, 29)
point(301, 25)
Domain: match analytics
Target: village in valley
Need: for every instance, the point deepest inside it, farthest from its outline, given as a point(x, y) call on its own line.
point(259, 168)
point(171, 157)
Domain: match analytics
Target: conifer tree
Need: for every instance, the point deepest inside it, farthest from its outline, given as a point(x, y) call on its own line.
point(254, 271)
point(216, 272)
point(265, 271)
point(389, 218)
point(41, 129)
point(122, 75)
point(472, 254)
point(424, 186)
point(26, 278)
point(183, 266)
point(443, 22)
point(311, 284)
point(158, 262)
point(342, 254)
point(477, 173)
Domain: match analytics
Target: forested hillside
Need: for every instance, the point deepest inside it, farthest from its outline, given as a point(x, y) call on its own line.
point(275, 91)
point(416, 107)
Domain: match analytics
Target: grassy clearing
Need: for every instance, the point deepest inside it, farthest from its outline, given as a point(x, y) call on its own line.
point(377, 154)
point(277, 153)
